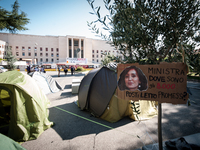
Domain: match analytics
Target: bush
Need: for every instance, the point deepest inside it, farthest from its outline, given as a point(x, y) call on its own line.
point(80, 69)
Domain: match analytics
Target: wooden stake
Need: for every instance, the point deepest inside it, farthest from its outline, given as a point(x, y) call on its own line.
point(160, 126)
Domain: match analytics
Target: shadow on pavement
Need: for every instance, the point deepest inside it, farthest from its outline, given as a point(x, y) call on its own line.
point(70, 122)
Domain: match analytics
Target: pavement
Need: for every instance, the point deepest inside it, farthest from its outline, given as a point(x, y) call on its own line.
point(75, 129)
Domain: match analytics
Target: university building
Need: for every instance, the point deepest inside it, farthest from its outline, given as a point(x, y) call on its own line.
point(66, 50)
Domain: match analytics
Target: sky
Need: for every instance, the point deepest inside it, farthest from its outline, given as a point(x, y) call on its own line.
point(56, 17)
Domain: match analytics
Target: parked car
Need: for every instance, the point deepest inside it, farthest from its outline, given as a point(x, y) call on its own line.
point(2, 69)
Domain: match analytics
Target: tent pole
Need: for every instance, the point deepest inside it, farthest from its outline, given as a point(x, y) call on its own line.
point(160, 126)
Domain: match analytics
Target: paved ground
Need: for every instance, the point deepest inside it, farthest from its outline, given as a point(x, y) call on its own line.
point(75, 129)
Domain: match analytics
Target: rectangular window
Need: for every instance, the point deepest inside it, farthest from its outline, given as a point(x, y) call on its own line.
point(29, 48)
point(57, 50)
point(70, 53)
point(70, 42)
point(57, 55)
point(52, 49)
point(75, 42)
point(97, 56)
point(97, 60)
point(40, 48)
point(23, 53)
point(17, 53)
point(51, 54)
point(92, 56)
point(23, 48)
point(40, 54)
point(81, 43)
point(35, 48)
point(92, 51)
point(16, 47)
point(29, 54)
point(75, 53)
point(41, 60)
point(97, 51)
point(81, 53)
point(46, 49)
point(51, 60)
point(46, 59)
point(35, 54)
point(46, 54)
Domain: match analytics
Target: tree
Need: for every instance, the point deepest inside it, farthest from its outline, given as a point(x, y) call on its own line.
point(149, 31)
point(11, 59)
point(13, 20)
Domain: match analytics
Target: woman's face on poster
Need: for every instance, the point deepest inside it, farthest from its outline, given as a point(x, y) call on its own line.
point(132, 80)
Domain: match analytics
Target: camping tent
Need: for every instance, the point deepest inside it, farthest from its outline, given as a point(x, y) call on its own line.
point(46, 82)
point(97, 94)
point(28, 111)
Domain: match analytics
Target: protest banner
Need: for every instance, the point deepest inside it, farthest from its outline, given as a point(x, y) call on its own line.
point(164, 82)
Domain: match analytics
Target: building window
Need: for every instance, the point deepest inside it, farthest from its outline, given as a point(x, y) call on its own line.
point(57, 49)
point(46, 59)
point(40, 48)
point(101, 56)
point(17, 53)
point(97, 60)
point(81, 53)
point(51, 60)
point(23, 53)
point(41, 60)
point(35, 54)
point(70, 42)
point(46, 49)
point(29, 54)
point(35, 48)
point(57, 55)
point(23, 48)
point(75, 53)
point(70, 53)
point(97, 56)
point(29, 48)
point(92, 56)
point(51, 54)
point(92, 60)
point(97, 51)
point(16, 47)
point(47, 54)
point(52, 49)
point(92, 51)
point(75, 42)
point(101, 51)
point(81, 43)
point(40, 54)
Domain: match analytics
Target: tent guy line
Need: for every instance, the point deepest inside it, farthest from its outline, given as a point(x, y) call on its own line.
point(94, 121)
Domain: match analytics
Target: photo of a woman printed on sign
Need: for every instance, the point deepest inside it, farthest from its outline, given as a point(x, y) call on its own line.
point(132, 78)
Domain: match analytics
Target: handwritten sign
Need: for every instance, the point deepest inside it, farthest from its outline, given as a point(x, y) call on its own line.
point(166, 82)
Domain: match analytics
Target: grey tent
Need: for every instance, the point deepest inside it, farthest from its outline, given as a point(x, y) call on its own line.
point(100, 83)
point(97, 95)
point(46, 82)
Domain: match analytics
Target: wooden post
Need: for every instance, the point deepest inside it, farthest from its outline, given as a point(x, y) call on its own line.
point(160, 126)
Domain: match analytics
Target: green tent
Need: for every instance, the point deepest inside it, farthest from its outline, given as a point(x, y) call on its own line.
point(28, 112)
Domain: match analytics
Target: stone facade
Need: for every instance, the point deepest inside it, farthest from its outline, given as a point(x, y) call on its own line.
point(39, 50)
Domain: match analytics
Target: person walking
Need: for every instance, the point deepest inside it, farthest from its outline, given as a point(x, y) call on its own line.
point(59, 68)
point(72, 70)
point(65, 70)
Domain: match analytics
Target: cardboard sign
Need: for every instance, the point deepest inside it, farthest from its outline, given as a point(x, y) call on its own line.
point(166, 82)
